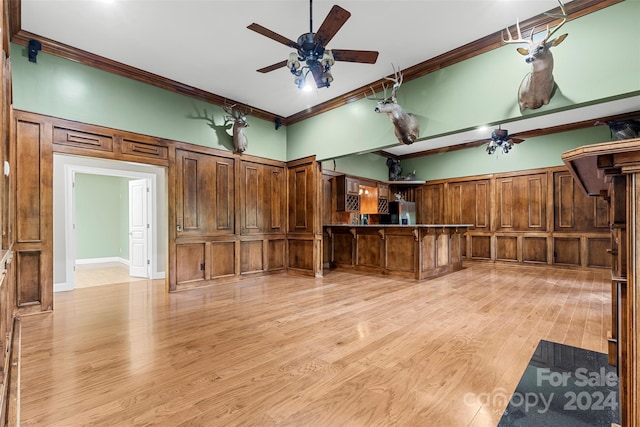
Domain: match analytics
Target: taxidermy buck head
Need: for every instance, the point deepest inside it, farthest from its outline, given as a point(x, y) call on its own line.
point(538, 86)
point(406, 124)
point(239, 120)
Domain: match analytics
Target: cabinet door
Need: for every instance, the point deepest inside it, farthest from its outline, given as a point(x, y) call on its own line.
point(353, 186)
point(205, 194)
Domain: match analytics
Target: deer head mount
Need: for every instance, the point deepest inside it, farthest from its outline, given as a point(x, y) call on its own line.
point(407, 128)
point(238, 117)
point(538, 86)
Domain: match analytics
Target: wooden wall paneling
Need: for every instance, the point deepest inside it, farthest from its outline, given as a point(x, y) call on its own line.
point(28, 180)
point(304, 230)
point(573, 210)
point(431, 209)
point(33, 174)
point(534, 249)
point(276, 254)
point(507, 248)
point(522, 202)
point(597, 252)
point(251, 256)
point(505, 203)
point(480, 247)
point(190, 263)
point(223, 258)
point(276, 200)
point(67, 136)
point(205, 194)
point(567, 251)
point(252, 197)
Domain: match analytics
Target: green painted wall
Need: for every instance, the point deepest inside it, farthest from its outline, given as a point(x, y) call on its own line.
point(539, 152)
point(483, 90)
point(365, 165)
point(69, 90)
point(102, 206)
point(479, 91)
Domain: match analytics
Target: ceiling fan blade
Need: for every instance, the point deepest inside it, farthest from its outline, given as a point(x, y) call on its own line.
point(273, 36)
point(273, 67)
point(517, 140)
point(332, 23)
point(347, 55)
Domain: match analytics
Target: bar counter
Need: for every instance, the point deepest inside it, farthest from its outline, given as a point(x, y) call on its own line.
point(416, 251)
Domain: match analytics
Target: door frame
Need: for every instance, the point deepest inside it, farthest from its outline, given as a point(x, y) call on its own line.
point(69, 207)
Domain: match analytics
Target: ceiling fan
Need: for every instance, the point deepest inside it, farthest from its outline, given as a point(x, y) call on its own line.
point(500, 138)
point(311, 49)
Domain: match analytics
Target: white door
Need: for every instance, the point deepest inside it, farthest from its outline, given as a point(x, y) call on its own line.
point(138, 228)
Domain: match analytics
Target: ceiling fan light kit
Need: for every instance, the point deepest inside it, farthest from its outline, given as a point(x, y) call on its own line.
point(500, 139)
point(311, 55)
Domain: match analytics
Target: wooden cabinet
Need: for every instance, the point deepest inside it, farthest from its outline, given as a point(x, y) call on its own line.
point(348, 198)
point(612, 170)
point(383, 198)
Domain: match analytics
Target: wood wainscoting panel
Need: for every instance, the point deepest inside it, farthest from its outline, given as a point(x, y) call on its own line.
point(276, 254)
point(223, 258)
point(28, 277)
point(522, 202)
point(534, 249)
point(251, 197)
point(507, 248)
point(205, 194)
point(28, 180)
point(301, 254)
point(136, 149)
point(251, 256)
point(82, 139)
point(470, 203)
point(190, 263)
point(276, 199)
point(597, 255)
point(566, 251)
point(481, 247)
point(574, 211)
point(432, 204)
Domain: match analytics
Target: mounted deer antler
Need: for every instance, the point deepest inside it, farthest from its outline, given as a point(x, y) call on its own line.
point(406, 124)
point(538, 86)
point(239, 120)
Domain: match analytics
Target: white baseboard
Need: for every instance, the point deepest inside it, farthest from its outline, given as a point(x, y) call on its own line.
point(62, 287)
point(102, 260)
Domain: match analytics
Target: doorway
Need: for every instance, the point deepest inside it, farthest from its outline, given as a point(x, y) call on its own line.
point(136, 256)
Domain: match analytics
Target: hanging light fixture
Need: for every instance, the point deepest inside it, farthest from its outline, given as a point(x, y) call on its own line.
point(500, 140)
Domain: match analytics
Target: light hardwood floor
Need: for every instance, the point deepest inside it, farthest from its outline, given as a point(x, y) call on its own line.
point(104, 273)
point(344, 350)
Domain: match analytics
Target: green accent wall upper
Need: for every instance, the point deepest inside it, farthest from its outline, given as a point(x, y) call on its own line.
point(479, 91)
point(483, 90)
point(70, 90)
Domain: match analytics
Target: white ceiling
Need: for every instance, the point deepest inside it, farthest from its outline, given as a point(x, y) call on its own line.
point(205, 43)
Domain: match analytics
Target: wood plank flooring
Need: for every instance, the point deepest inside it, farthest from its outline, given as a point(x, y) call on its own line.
point(103, 273)
point(344, 350)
